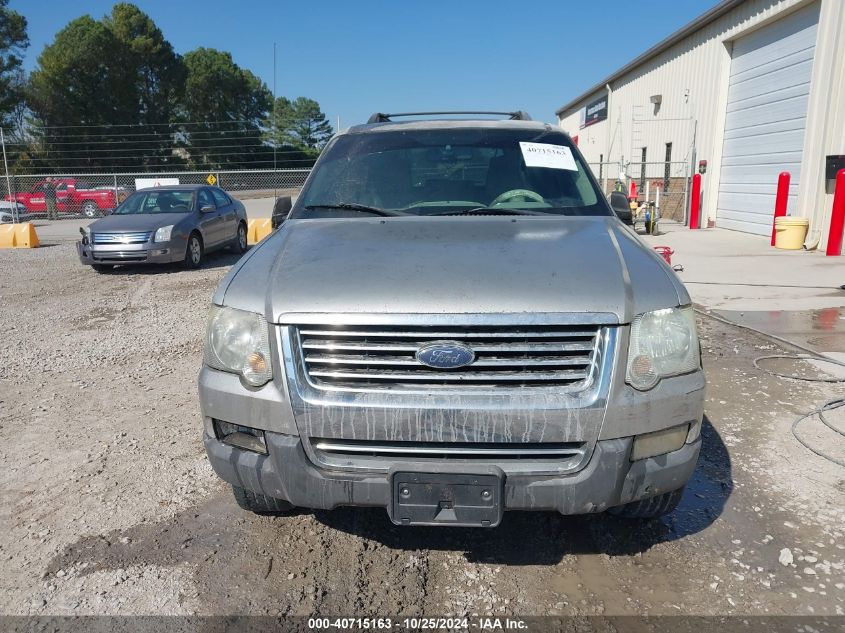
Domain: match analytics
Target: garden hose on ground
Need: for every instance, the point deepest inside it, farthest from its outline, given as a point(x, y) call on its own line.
point(809, 354)
point(815, 357)
point(827, 406)
point(819, 411)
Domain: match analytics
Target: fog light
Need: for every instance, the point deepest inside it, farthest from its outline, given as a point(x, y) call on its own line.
point(659, 442)
point(241, 436)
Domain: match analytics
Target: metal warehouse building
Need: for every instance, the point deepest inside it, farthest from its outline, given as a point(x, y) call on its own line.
point(748, 90)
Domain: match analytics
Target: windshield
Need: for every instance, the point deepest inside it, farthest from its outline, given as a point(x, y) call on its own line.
point(452, 171)
point(170, 201)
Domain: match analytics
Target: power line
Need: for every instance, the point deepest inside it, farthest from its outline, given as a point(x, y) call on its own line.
point(168, 134)
point(84, 157)
point(125, 141)
point(66, 127)
point(175, 165)
point(198, 150)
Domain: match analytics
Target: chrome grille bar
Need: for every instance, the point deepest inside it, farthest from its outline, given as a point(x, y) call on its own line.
point(455, 376)
point(447, 334)
point(493, 361)
point(478, 347)
point(449, 449)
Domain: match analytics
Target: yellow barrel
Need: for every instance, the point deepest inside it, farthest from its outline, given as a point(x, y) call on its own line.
point(791, 232)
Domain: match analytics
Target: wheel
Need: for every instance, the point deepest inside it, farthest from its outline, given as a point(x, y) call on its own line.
point(240, 241)
point(90, 210)
point(258, 503)
point(650, 508)
point(193, 253)
point(102, 268)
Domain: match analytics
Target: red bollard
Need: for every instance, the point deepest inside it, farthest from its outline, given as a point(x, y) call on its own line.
point(837, 217)
point(695, 202)
point(781, 199)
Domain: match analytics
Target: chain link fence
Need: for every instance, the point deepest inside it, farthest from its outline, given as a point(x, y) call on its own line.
point(74, 195)
point(671, 178)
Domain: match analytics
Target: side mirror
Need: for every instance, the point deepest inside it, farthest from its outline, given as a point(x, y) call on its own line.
point(621, 207)
point(281, 209)
point(207, 208)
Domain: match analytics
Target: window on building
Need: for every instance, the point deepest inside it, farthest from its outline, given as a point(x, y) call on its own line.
point(667, 168)
point(642, 170)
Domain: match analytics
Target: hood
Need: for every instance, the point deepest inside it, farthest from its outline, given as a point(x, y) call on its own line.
point(135, 222)
point(453, 265)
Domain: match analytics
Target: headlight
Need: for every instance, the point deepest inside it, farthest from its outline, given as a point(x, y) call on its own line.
point(663, 343)
point(163, 234)
point(238, 342)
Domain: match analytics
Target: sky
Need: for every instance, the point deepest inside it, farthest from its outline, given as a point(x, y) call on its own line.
point(364, 56)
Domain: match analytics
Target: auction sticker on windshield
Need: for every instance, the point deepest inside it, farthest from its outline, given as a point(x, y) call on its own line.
point(545, 155)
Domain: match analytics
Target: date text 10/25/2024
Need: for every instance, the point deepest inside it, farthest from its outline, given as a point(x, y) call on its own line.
point(416, 624)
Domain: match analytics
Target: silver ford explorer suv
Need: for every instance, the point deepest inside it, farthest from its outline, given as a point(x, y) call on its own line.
point(452, 323)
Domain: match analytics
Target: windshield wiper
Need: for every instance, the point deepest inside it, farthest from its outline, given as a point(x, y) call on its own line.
point(353, 206)
point(492, 211)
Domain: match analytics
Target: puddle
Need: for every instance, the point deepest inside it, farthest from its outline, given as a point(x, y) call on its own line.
point(822, 331)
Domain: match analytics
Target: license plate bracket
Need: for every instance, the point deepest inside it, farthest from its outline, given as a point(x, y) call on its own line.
point(458, 499)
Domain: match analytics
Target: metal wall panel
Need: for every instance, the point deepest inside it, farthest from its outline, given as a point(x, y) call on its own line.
point(766, 117)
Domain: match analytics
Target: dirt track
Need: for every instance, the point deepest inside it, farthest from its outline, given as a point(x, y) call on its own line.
point(109, 505)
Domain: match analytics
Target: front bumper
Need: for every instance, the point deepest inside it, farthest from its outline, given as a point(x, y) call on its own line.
point(149, 253)
point(609, 479)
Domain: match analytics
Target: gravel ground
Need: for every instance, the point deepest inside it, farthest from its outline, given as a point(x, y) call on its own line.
point(110, 507)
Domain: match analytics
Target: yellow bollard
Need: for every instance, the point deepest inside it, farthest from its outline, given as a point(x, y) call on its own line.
point(257, 230)
point(18, 236)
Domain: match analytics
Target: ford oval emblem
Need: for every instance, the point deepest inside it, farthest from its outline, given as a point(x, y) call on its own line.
point(445, 355)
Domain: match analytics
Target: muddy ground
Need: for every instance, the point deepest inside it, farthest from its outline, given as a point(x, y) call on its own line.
point(109, 505)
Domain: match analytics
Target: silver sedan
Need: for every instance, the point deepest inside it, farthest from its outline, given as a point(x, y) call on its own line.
point(162, 225)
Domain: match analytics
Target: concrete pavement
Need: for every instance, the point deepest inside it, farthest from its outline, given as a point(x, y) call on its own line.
point(793, 296)
point(729, 270)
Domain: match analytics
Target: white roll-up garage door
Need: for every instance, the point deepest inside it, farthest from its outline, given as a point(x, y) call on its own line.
point(766, 115)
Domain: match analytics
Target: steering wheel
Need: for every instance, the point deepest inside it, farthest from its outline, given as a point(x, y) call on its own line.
point(513, 194)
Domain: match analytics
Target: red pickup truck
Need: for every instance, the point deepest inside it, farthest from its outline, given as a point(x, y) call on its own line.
point(72, 196)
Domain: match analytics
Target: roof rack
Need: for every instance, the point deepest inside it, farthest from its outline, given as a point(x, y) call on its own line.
point(380, 117)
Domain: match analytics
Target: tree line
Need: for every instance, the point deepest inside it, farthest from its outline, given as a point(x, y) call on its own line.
point(112, 94)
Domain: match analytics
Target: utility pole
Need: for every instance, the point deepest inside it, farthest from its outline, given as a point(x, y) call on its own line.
point(274, 129)
point(8, 180)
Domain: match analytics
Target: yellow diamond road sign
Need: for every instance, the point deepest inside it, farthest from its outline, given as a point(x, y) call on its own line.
point(211, 179)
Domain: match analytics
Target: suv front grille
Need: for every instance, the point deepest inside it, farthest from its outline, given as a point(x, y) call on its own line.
point(505, 356)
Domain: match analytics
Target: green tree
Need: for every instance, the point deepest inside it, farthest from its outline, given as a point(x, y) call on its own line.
point(101, 91)
point(299, 123)
point(149, 62)
point(224, 107)
point(79, 82)
point(13, 41)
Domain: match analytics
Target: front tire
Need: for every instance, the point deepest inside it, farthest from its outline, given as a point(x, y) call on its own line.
point(194, 252)
point(650, 508)
point(240, 245)
point(258, 503)
point(90, 210)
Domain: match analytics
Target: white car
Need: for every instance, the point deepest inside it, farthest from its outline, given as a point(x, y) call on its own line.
point(7, 210)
